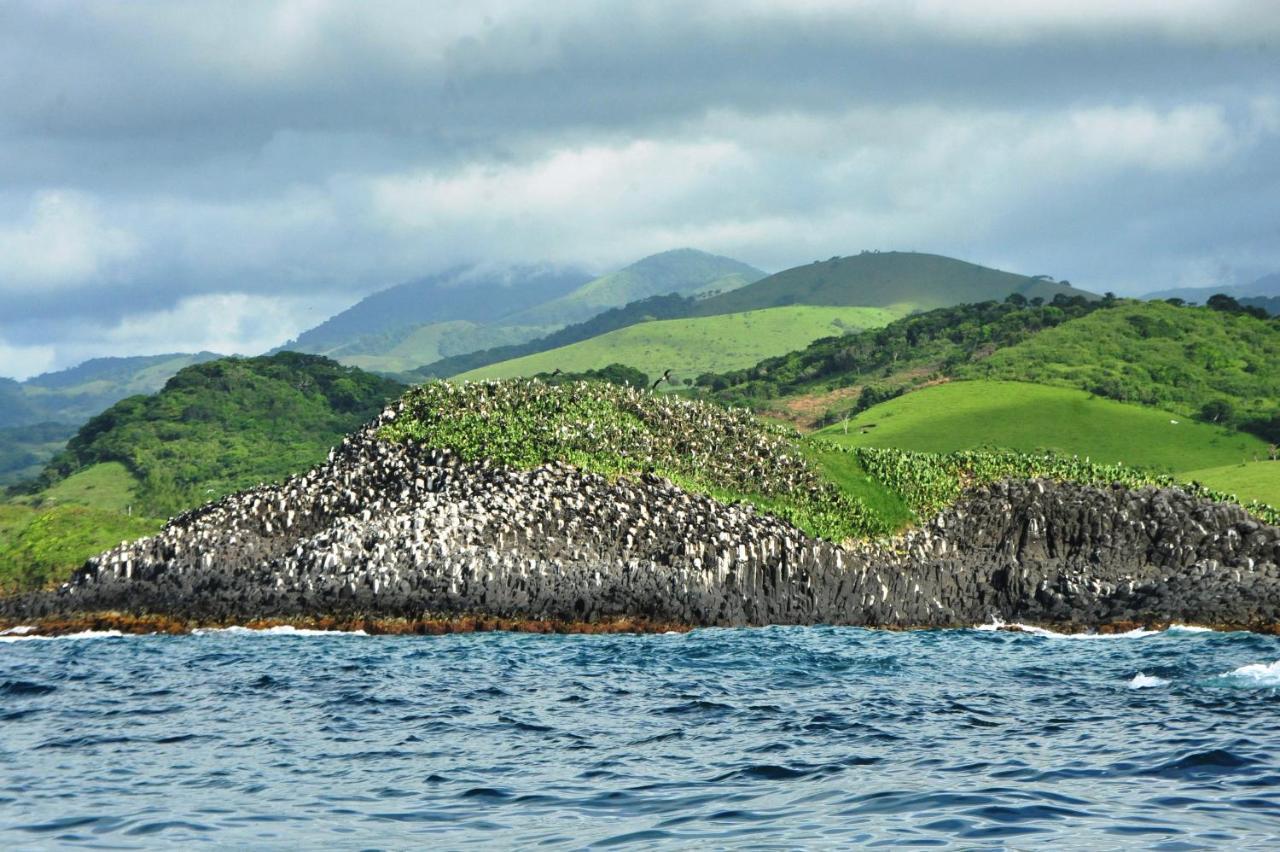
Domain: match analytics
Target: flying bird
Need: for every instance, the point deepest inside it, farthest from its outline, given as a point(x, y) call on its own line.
point(666, 377)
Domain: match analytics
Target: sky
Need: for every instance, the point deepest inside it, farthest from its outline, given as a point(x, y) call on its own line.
point(180, 176)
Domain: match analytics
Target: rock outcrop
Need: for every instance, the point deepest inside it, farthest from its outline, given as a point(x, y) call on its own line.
point(396, 530)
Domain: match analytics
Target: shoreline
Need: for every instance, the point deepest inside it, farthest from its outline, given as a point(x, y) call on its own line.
point(155, 624)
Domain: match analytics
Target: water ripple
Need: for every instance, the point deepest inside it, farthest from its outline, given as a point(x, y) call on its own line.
point(781, 737)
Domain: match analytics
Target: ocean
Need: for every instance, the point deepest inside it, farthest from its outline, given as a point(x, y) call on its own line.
point(773, 738)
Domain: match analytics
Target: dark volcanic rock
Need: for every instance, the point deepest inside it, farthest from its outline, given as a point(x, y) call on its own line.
point(389, 530)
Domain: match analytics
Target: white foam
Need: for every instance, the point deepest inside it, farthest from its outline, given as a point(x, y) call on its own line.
point(1143, 681)
point(997, 624)
point(20, 630)
point(279, 630)
point(84, 634)
point(1257, 674)
point(1189, 628)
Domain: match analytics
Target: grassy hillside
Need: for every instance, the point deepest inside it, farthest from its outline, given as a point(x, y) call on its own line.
point(1178, 358)
point(40, 546)
point(670, 306)
point(690, 347)
point(684, 271)
point(221, 426)
point(905, 279)
point(1036, 418)
point(855, 370)
point(1259, 480)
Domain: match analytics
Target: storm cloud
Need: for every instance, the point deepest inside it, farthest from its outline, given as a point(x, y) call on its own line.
point(184, 176)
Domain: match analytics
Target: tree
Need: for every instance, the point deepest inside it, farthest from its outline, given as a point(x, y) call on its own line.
point(1216, 411)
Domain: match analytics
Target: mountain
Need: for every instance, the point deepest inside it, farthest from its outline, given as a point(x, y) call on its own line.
point(15, 408)
point(695, 345)
point(1268, 286)
point(684, 271)
point(473, 295)
point(24, 450)
point(77, 393)
point(1270, 304)
point(471, 309)
point(833, 376)
point(882, 279)
point(223, 425)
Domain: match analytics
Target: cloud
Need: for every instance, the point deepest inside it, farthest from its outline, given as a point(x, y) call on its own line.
point(61, 241)
point(155, 157)
point(228, 323)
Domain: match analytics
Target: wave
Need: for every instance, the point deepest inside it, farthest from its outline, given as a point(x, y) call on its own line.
point(1145, 681)
point(997, 624)
point(1256, 674)
point(26, 636)
point(278, 630)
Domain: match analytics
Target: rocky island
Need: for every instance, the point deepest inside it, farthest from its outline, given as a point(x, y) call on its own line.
point(586, 506)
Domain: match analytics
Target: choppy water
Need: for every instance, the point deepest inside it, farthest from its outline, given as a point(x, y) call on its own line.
point(781, 737)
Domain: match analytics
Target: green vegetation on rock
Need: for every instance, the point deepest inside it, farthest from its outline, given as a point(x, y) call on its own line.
point(831, 491)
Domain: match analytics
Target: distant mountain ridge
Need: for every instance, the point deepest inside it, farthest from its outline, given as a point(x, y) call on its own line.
point(1266, 287)
point(469, 294)
point(685, 271)
point(465, 310)
point(881, 279)
point(36, 415)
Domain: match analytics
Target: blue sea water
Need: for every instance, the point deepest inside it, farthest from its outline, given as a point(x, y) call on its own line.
point(758, 738)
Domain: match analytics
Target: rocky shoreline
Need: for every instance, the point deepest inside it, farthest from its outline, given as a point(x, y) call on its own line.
point(389, 533)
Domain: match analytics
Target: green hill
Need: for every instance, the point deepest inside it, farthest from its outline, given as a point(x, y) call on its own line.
point(690, 347)
point(1183, 359)
point(683, 271)
point(470, 309)
point(884, 279)
point(835, 375)
point(214, 428)
point(37, 416)
point(1027, 417)
point(224, 425)
point(76, 394)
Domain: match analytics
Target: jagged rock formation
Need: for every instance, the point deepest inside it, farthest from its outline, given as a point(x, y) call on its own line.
point(397, 530)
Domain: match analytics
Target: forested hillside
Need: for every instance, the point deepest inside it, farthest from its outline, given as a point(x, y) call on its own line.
point(1221, 366)
point(886, 361)
point(224, 425)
